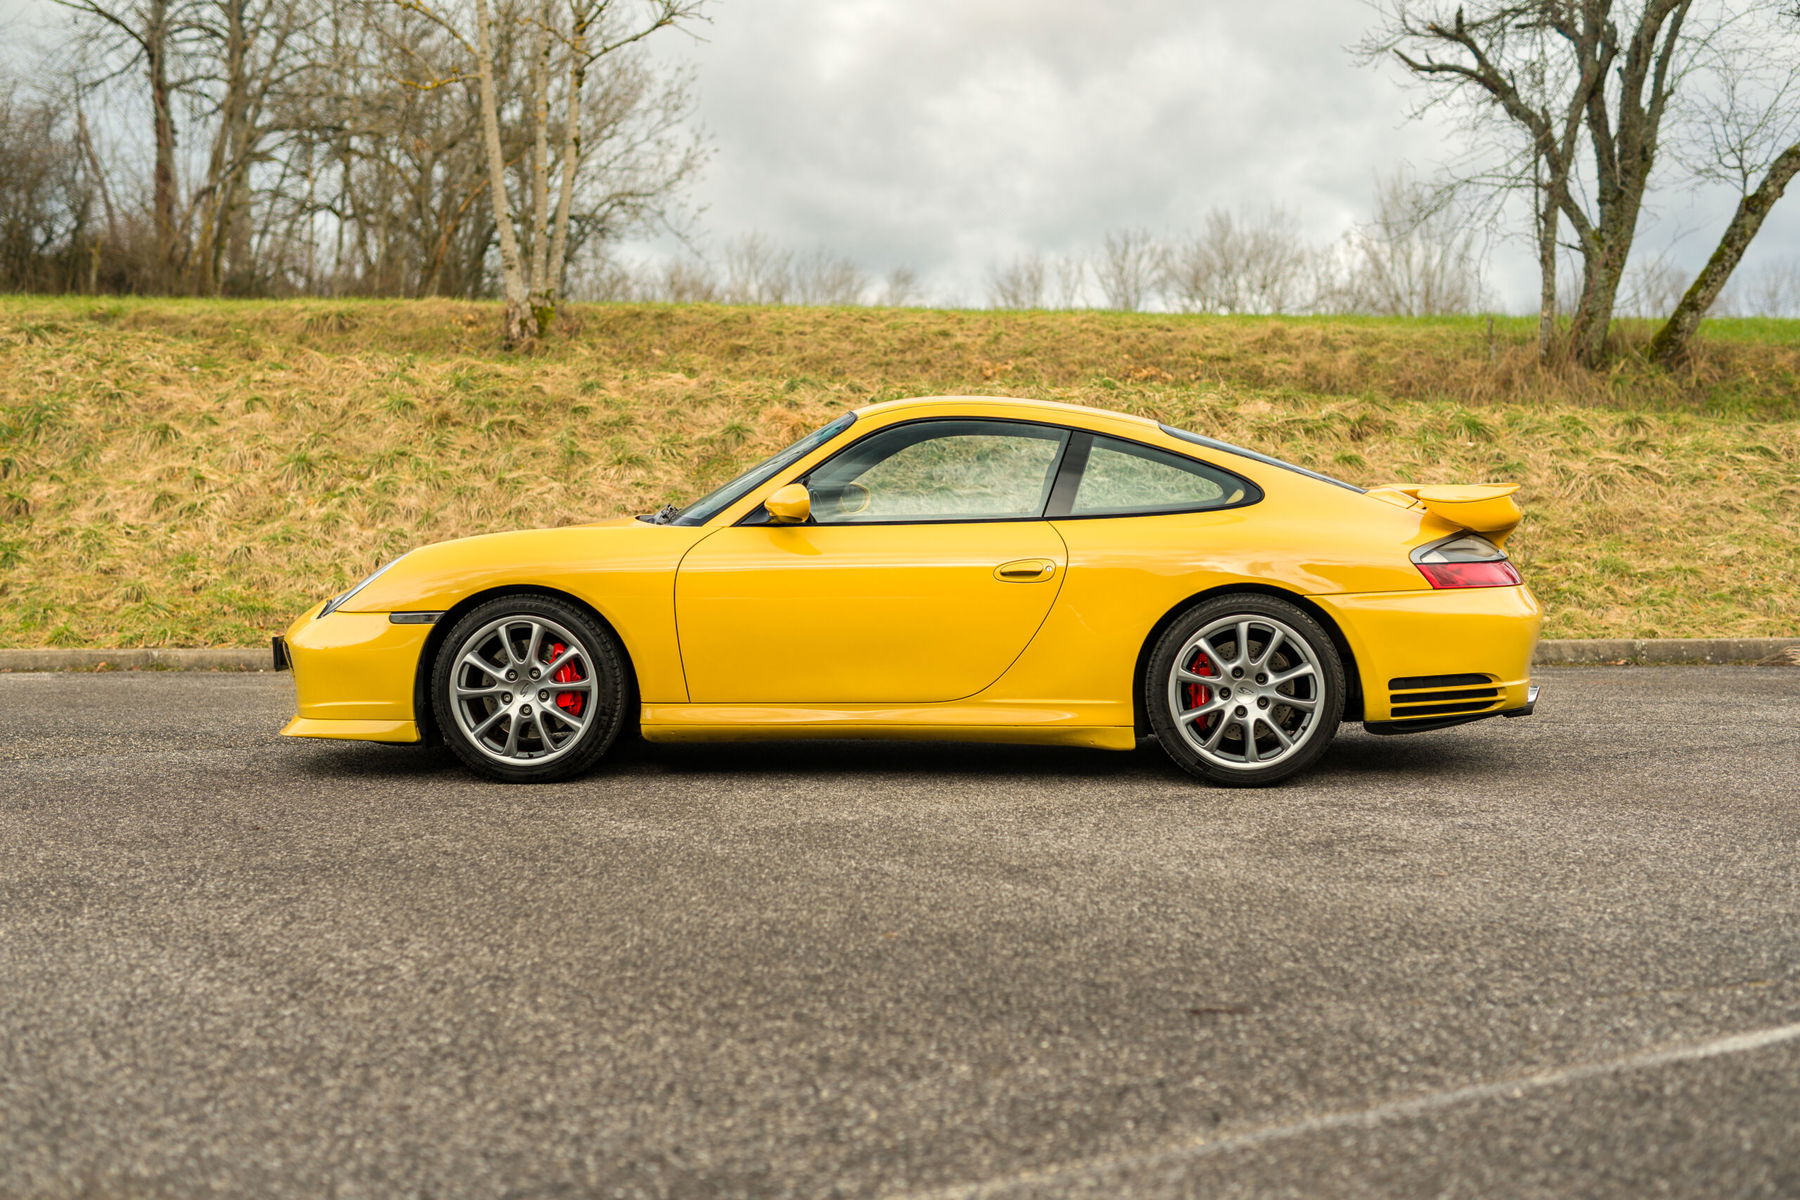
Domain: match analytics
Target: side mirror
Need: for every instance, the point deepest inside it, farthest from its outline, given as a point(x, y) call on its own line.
point(790, 505)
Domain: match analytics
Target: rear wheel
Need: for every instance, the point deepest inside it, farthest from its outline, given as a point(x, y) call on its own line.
point(1244, 690)
point(529, 689)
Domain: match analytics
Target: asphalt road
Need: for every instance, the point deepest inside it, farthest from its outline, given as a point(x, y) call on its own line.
point(1547, 957)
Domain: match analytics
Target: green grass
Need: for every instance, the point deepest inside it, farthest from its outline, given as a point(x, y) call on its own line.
point(194, 473)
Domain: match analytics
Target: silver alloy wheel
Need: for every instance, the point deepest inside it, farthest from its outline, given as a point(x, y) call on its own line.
point(522, 689)
point(1245, 692)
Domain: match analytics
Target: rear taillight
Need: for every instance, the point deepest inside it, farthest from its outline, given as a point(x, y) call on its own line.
point(1465, 560)
point(1471, 574)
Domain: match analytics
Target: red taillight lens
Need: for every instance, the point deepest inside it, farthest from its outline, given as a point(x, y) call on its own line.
point(1499, 573)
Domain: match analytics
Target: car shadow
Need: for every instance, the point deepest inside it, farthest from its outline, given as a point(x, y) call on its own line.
point(1353, 755)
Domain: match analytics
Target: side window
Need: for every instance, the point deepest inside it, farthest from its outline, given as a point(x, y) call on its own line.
point(939, 471)
point(1123, 478)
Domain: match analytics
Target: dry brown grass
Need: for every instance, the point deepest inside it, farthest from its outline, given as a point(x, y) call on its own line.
point(195, 473)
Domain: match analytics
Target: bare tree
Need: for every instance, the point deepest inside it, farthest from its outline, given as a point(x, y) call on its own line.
point(757, 271)
point(1771, 291)
point(1017, 283)
point(1651, 286)
point(566, 44)
point(1581, 91)
point(49, 229)
point(1239, 264)
point(1749, 136)
point(688, 281)
point(1069, 274)
point(823, 277)
point(1127, 268)
point(1417, 256)
point(900, 288)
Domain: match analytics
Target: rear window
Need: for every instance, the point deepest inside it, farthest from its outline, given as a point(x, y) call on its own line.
point(1122, 478)
point(1228, 448)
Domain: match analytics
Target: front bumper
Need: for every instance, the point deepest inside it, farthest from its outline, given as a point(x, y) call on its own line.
point(354, 676)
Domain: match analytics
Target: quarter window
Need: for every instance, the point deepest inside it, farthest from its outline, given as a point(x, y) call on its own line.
point(1123, 478)
point(940, 471)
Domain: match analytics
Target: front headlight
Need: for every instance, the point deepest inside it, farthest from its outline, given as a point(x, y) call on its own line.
point(338, 601)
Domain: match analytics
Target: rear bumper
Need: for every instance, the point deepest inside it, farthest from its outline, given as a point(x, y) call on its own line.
point(1425, 657)
point(354, 675)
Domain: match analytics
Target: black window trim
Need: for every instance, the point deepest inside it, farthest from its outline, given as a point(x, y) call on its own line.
point(1065, 496)
point(760, 514)
point(1200, 439)
point(1072, 461)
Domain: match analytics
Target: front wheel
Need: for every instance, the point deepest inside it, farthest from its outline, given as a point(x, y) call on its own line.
point(529, 689)
point(1244, 690)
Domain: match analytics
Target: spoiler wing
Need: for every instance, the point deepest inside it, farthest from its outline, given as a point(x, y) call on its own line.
point(1485, 508)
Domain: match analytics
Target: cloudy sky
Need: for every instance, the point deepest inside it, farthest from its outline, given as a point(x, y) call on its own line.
point(946, 135)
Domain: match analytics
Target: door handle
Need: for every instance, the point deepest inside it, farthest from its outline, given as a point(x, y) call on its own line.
point(1025, 570)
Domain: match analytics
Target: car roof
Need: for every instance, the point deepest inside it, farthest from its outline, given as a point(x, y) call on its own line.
point(1042, 409)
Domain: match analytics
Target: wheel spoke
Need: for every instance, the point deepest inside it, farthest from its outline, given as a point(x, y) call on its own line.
point(1268, 650)
point(537, 641)
point(1211, 706)
point(1249, 725)
point(1187, 676)
point(1287, 743)
point(487, 724)
point(566, 717)
point(543, 734)
point(1296, 703)
point(470, 693)
point(512, 738)
point(1216, 736)
point(558, 660)
point(473, 659)
point(1243, 645)
point(1303, 671)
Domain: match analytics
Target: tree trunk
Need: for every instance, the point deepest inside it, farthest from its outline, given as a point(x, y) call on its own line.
point(519, 328)
point(1547, 221)
point(571, 154)
point(1674, 341)
point(156, 55)
point(543, 299)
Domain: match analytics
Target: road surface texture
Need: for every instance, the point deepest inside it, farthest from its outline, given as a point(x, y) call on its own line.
point(1547, 957)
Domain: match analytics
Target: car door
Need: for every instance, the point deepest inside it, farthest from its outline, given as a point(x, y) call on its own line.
point(924, 571)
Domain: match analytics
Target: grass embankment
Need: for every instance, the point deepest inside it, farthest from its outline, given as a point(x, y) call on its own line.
point(189, 473)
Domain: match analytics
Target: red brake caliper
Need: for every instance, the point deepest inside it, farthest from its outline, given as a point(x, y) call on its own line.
point(1199, 693)
point(569, 702)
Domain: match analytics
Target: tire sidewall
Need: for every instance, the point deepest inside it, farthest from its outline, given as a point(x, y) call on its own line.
point(609, 694)
point(1333, 687)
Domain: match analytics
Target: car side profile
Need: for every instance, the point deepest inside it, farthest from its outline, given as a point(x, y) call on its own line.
point(970, 568)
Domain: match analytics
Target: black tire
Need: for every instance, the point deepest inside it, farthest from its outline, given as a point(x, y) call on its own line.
point(1288, 737)
point(603, 680)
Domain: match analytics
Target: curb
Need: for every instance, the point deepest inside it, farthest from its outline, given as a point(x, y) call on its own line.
point(48, 659)
point(1620, 652)
point(1563, 652)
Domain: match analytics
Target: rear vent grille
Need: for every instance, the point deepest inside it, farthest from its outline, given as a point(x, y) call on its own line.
point(1442, 695)
point(1412, 683)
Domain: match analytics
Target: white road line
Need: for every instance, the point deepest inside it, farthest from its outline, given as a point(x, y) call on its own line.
point(1507, 1089)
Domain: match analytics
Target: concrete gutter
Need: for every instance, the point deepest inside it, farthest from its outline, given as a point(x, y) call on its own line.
point(1574, 652)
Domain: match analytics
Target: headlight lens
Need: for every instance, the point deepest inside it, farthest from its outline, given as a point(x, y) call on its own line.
point(338, 601)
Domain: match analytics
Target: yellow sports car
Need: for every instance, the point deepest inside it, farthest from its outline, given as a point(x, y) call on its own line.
point(963, 567)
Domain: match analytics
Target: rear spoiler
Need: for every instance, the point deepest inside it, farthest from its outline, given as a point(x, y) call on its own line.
point(1485, 508)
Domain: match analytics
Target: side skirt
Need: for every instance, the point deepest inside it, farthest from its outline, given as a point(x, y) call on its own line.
point(1014, 724)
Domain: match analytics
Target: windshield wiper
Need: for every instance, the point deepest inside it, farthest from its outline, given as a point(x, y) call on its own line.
point(663, 515)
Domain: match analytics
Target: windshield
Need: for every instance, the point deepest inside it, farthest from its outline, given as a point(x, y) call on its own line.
point(710, 505)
